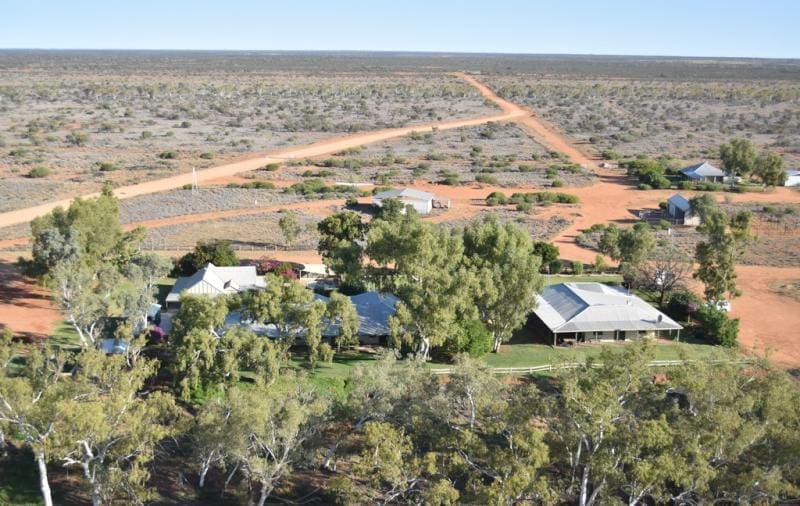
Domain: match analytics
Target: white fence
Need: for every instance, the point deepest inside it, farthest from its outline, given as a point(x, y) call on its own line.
point(509, 371)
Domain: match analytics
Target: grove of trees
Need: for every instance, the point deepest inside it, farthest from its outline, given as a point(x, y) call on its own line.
point(610, 431)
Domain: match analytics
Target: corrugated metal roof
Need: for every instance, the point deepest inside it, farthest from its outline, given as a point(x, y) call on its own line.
point(680, 202)
point(221, 279)
point(374, 310)
point(701, 170)
point(409, 193)
point(589, 307)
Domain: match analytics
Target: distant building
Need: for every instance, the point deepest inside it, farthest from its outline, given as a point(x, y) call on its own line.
point(596, 312)
point(792, 177)
point(679, 211)
point(214, 281)
point(422, 202)
point(704, 172)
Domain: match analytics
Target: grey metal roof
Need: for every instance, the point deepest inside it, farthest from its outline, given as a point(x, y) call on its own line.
point(409, 193)
point(680, 202)
point(374, 310)
point(590, 307)
point(702, 170)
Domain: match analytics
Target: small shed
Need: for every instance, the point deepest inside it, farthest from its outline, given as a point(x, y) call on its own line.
point(422, 202)
point(680, 212)
point(792, 177)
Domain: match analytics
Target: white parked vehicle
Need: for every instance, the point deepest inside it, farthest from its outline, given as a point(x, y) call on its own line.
point(722, 305)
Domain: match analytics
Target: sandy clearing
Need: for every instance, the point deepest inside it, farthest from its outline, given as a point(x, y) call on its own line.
point(25, 307)
point(769, 322)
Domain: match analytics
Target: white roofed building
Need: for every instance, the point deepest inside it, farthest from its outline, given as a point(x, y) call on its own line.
point(597, 312)
point(704, 172)
point(422, 202)
point(214, 281)
point(792, 177)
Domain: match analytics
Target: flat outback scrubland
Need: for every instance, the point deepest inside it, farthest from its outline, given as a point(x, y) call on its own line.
point(78, 126)
point(72, 121)
point(279, 394)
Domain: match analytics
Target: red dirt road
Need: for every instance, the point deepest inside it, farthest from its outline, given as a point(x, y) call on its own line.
point(310, 150)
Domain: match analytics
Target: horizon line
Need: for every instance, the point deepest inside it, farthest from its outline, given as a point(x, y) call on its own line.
point(401, 51)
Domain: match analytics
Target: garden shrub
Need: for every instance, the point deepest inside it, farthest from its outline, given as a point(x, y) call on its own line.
point(682, 304)
point(717, 327)
point(473, 339)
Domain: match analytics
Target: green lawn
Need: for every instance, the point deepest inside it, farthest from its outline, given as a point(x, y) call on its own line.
point(64, 335)
point(332, 376)
point(614, 279)
point(18, 479)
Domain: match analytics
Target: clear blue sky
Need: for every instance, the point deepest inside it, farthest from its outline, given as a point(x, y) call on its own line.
point(759, 28)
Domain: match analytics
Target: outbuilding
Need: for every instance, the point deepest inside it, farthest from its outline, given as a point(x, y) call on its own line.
point(214, 281)
point(680, 212)
point(792, 177)
point(422, 202)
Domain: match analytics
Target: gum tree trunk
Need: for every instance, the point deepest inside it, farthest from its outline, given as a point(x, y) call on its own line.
point(44, 484)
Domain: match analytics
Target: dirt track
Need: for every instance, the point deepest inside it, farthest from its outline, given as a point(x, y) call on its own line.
point(310, 150)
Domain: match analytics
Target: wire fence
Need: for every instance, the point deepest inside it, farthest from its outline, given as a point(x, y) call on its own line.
point(163, 245)
point(510, 371)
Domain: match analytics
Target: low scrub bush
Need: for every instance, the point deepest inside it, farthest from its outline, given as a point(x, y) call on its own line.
point(39, 172)
point(486, 179)
point(496, 199)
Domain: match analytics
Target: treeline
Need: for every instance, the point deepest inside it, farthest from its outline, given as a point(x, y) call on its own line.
point(608, 432)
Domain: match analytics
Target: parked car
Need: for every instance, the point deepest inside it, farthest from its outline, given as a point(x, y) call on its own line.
point(722, 305)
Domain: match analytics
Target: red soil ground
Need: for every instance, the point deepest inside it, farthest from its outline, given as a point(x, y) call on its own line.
point(25, 307)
